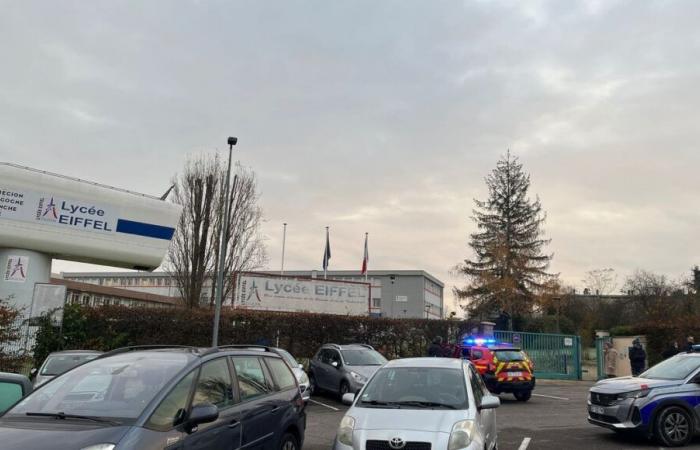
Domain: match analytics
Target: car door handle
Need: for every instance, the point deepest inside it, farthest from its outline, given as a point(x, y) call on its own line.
point(274, 409)
point(234, 423)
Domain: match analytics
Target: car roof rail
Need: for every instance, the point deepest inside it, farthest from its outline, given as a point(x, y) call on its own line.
point(333, 345)
point(240, 347)
point(367, 346)
point(134, 348)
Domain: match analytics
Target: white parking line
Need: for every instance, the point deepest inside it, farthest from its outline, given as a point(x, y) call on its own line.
point(550, 396)
point(323, 404)
point(524, 444)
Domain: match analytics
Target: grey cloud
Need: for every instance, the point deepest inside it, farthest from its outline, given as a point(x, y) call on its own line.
point(378, 116)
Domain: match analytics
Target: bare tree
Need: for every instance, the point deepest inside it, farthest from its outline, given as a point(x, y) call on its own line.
point(245, 247)
point(193, 255)
point(600, 281)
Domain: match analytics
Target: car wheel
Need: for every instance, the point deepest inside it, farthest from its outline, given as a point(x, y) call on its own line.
point(289, 442)
point(344, 388)
point(674, 427)
point(523, 396)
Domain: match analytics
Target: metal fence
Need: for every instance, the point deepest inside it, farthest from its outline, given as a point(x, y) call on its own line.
point(556, 356)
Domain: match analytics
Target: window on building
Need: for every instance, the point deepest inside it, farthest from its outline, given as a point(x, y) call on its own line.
point(377, 302)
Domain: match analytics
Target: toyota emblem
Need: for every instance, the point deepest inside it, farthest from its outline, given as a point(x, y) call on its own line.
point(397, 443)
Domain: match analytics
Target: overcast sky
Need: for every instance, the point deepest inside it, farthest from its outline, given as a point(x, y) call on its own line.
point(378, 116)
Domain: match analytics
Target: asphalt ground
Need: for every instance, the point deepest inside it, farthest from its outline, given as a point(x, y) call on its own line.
point(553, 419)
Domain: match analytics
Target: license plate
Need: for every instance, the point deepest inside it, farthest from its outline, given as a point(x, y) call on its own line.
point(515, 374)
point(597, 409)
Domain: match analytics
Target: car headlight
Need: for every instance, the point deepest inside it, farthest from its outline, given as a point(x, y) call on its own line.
point(304, 378)
point(99, 447)
point(347, 426)
point(359, 378)
point(461, 435)
point(634, 394)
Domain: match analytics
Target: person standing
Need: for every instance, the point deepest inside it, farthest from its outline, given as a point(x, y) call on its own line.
point(671, 350)
point(611, 356)
point(689, 344)
point(435, 349)
point(637, 357)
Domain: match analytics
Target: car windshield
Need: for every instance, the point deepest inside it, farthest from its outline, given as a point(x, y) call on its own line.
point(677, 368)
point(416, 388)
point(509, 355)
point(118, 387)
point(288, 357)
point(364, 357)
point(58, 364)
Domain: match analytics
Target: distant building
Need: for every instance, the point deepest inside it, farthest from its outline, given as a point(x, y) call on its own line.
point(394, 293)
point(88, 294)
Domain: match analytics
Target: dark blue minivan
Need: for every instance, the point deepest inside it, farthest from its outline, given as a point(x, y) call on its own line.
point(173, 398)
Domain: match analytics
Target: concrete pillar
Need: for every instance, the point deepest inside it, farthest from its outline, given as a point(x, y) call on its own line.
point(19, 271)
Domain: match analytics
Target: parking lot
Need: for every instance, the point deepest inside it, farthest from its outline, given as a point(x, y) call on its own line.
point(555, 418)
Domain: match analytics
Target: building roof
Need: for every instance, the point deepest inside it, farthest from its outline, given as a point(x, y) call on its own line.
point(370, 273)
point(115, 292)
point(292, 273)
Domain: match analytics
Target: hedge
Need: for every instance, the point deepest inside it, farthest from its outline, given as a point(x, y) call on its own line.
point(110, 327)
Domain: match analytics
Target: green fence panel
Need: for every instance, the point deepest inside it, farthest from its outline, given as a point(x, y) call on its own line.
point(556, 356)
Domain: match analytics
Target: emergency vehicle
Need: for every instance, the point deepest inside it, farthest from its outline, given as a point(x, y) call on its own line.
point(504, 368)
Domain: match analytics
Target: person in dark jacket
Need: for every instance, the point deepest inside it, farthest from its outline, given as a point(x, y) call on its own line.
point(637, 357)
point(689, 344)
point(435, 349)
point(671, 350)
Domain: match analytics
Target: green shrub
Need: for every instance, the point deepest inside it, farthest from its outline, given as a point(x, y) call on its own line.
point(110, 327)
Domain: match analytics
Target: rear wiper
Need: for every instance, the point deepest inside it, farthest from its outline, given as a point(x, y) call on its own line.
point(427, 404)
point(64, 416)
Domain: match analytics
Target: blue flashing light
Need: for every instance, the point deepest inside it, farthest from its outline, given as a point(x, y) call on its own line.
point(476, 340)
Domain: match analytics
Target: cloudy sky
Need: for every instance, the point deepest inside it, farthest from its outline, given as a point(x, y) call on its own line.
point(378, 116)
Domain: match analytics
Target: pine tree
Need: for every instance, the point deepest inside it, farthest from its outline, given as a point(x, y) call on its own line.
point(509, 266)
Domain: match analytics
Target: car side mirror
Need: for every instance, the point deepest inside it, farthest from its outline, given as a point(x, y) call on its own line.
point(489, 402)
point(33, 372)
point(202, 413)
point(335, 364)
point(301, 366)
point(348, 399)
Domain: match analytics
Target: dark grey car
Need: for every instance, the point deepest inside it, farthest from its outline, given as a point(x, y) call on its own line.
point(343, 368)
point(168, 398)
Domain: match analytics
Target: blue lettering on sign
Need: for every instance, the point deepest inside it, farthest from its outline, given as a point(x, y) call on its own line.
point(145, 229)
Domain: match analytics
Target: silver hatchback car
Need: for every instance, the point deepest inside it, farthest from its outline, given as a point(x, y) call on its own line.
point(421, 404)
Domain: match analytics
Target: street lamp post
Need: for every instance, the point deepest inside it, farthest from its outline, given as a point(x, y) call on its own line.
point(223, 234)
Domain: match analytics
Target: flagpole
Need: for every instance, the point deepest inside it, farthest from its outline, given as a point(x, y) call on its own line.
point(325, 257)
point(284, 241)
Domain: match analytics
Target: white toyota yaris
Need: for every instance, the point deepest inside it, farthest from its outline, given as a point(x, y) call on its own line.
point(421, 404)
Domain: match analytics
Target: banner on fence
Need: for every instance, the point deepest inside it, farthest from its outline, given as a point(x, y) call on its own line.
point(276, 293)
point(48, 298)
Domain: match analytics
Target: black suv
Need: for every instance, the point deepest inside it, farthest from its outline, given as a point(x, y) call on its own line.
point(173, 398)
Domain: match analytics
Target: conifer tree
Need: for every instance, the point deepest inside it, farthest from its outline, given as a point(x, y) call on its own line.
point(509, 265)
